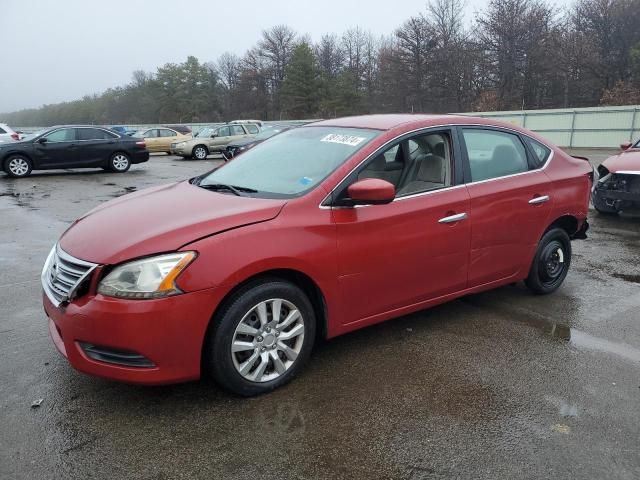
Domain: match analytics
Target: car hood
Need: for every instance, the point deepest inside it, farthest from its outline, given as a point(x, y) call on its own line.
point(160, 219)
point(629, 160)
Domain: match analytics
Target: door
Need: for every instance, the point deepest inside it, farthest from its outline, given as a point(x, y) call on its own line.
point(167, 137)
point(94, 146)
point(220, 140)
point(58, 149)
point(510, 203)
point(237, 132)
point(413, 249)
point(152, 139)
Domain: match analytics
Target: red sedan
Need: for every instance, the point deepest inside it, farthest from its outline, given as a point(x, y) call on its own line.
point(316, 232)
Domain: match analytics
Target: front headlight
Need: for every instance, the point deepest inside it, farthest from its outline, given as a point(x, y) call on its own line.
point(152, 277)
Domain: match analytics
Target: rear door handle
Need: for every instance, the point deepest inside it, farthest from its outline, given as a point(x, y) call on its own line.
point(540, 199)
point(453, 218)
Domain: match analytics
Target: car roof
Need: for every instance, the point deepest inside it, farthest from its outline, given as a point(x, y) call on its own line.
point(390, 121)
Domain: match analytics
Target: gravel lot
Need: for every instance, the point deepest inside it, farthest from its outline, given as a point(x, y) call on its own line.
point(502, 384)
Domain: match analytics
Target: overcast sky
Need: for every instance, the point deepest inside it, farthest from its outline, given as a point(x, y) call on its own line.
point(57, 50)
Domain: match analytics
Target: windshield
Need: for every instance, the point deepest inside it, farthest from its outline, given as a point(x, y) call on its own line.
point(205, 132)
point(293, 162)
point(268, 133)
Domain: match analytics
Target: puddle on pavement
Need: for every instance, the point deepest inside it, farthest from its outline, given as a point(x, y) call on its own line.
point(582, 340)
point(627, 278)
point(577, 338)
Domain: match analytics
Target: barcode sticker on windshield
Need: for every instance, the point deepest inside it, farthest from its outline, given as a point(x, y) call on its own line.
point(343, 139)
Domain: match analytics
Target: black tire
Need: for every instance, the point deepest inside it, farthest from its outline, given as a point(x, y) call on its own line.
point(221, 362)
point(551, 262)
point(600, 205)
point(200, 152)
point(119, 162)
point(18, 166)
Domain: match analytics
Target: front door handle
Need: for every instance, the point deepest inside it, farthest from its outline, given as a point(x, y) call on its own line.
point(540, 199)
point(453, 218)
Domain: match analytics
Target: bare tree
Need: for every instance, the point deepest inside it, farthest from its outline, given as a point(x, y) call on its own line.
point(276, 47)
point(415, 42)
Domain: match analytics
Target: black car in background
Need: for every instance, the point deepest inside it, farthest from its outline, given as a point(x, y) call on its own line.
point(242, 145)
point(72, 146)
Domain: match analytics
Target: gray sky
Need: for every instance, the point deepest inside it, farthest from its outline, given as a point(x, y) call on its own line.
point(63, 49)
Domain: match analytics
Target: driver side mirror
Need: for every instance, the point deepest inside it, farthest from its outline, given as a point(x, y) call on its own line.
point(371, 191)
point(42, 140)
point(625, 145)
point(214, 135)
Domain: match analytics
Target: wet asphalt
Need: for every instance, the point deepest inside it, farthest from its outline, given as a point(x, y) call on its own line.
point(501, 384)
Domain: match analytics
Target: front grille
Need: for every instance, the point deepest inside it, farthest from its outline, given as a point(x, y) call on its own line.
point(63, 274)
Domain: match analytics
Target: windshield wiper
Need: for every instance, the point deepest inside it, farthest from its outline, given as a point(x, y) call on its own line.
point(239, 191)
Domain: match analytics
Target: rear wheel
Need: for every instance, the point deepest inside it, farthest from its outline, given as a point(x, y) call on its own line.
point(261, 338)
point(551, 262)
point(18, 166)
point(200, 152)
point(119, 162)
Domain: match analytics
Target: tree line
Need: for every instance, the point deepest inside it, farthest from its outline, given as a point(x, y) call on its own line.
point(515, 54)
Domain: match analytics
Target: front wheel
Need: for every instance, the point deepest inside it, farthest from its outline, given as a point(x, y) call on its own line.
point(200, 152)
point(119, 162)
point(18, 166)
point(261, 338)
point(551, 262)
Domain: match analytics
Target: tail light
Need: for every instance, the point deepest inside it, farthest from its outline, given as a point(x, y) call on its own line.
point(15, 136)
point(141, 144)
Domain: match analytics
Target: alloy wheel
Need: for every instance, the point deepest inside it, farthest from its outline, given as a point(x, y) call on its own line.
point(200, 153)
point(120, 162)
point(18, 166)
point(268, 340)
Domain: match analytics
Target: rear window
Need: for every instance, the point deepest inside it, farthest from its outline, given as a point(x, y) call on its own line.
point(93, 134)
point(252, 128)
point(541, 152)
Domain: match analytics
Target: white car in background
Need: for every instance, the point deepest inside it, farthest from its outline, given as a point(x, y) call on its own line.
point(7, 134)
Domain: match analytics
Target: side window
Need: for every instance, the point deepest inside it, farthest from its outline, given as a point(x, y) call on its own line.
point(251, 128)
point(541, 152)
point(164, 132)
point(494, 154)
point(429, 164)
point(387, 165)
point(93, 134)
point(2, 130)
point(419, 164)
point(62, 135)
point(153, 133)
point(223, 132)
point(237, 130)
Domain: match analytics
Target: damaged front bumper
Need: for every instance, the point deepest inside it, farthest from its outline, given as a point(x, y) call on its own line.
point(616, 191)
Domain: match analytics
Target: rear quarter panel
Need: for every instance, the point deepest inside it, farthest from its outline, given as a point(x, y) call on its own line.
point(571, 186)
